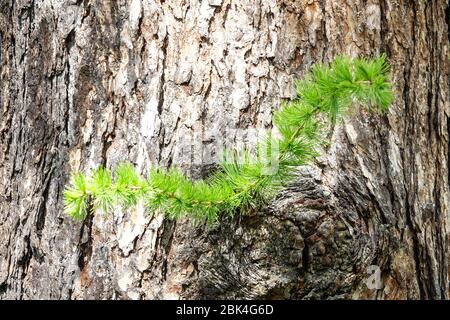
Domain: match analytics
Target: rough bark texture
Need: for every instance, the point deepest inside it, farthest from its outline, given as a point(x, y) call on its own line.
point(88, 82)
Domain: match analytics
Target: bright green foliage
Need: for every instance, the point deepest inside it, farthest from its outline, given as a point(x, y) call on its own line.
point(76, 196)
point(244, 179)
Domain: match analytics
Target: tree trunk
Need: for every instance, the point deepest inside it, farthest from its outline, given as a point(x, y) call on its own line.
point(89, 82)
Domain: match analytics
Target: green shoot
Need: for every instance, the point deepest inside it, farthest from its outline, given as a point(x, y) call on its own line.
point(245, 179)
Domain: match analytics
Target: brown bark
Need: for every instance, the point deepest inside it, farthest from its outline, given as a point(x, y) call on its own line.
point(88, 82)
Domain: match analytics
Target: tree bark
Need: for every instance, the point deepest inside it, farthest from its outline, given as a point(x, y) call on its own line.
point(89, 82)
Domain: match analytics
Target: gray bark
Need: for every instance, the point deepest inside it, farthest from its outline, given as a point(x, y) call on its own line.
point(88, 82)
